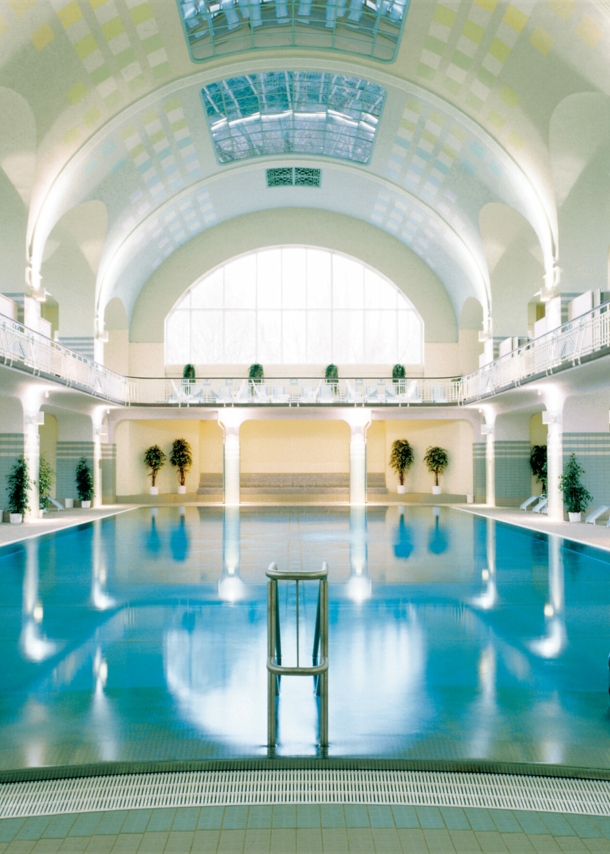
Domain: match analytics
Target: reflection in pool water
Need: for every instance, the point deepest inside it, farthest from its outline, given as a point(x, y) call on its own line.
point(143, 637)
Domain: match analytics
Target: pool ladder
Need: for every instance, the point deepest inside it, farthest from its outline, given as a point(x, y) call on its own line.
point(319, 656)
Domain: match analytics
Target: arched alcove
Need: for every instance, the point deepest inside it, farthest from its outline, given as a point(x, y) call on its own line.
point(471, 323)
point(116, 349)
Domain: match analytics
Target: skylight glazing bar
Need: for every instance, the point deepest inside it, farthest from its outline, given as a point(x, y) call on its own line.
point(293, 112)
point(370, 28)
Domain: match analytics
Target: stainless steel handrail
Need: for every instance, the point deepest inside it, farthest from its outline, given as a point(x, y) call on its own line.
point(319, 666)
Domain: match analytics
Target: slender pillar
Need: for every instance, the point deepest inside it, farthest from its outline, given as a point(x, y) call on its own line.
point(359, 422)
point(31, 451)
point(231, 421)
point(554, 465)
point(490, 465)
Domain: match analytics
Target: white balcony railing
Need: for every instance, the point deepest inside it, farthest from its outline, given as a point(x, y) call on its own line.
point(585, 337)
point(23, 348)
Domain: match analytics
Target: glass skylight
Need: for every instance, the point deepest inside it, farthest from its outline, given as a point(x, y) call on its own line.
point(293, 112)
point(223, 27)
point(293, 305)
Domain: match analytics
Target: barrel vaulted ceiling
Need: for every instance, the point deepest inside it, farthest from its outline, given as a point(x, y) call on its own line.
point(103, 101)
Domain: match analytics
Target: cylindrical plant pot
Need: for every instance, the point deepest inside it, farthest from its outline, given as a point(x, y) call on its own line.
point(436, 490)
point(68, 503)
point(85, 505)
point(153, 490)
point(401, 488)
point(575, 517)
point(181, 489)
point(15, 518)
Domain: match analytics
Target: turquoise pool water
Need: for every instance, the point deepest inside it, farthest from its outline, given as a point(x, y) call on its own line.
point(142, 637)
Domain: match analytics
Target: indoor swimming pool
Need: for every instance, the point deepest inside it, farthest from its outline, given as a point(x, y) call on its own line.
point(142, 637)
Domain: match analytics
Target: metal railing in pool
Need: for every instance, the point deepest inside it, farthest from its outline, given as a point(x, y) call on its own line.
point(319, 656)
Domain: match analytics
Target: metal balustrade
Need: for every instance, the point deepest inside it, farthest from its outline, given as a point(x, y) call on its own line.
point(580, 339)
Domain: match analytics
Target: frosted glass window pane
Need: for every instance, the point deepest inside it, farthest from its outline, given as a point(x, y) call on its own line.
point(240, 336)
point(294, 337)
point(377, 292)
point(269, 337)
point(379, 337)
point(269, 279)
point(410, 342)
point(184, 303)
point(318, 279)
point(319, 337)
point(207, 346)
point(347, 283)
point(348, 329)
point(210, 292)
point(240, 278)
point(178, 338)
point(293, 278)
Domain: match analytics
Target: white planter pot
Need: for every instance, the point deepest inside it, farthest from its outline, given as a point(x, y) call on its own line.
point(575, 517)
point(153, 490)
point(85, 505)
point(15, 518)
point(181, 490)
point(401, 489)
point(68, 503)
point(436, 490)
point(470, 498)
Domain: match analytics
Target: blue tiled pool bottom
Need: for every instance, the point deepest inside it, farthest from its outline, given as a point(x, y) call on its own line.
point(142, 638)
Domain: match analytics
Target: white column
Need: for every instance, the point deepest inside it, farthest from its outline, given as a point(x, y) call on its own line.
point(359, 421)
point(230, 421)
point(31, 452)
point(490, 463)
point(554, 464)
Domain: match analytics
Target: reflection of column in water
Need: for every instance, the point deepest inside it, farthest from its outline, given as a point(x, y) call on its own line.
point(553, 643)
point(33, 643)
point(489, 596)
point(99, 597)
point(230, 586)
point(359, 585)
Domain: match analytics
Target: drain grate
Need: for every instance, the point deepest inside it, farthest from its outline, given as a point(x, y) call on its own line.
point(304, 786)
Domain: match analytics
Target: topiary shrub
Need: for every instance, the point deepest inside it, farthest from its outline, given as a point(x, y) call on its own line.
point(398, 373)
point(256, 374)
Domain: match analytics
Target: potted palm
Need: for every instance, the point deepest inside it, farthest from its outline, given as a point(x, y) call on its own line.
point(154, 460)
point(46, 479)
point(576, 496)
point(84, 483)
point(398, 374)
point(181, 458)
point(18, 485)
point(401, 460)
point(255, 373)
point(188, 377)
point(436, 460)
point(538, 465)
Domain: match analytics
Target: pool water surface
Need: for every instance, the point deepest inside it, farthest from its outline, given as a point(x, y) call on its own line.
point(142, 637)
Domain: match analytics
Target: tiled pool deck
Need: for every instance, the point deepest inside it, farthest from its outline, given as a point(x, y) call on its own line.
point(305, 829)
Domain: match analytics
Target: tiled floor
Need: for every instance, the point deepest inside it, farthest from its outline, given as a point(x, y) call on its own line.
point(307, 828)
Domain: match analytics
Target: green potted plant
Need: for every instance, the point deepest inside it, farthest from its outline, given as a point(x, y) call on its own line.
point(84, 483)
point(398, 374)
point(401, 460)
point(576, 496)
point(188, 377)
point(538, 465)
point(331, 374)
point(181, 457)
point(436, 460)
point(154, 460)
point(46, 479)
point(18, 485)
point(256, 374)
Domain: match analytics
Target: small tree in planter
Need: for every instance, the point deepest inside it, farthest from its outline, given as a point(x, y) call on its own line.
point(538, 465)
point(256, 373)
point(331, 374)
point(84, 482)
point(436, 460)
point(181, 457)
point(398, 374)
point(576, 496)
point(18, 485)
point(188, 377)
point(154, 460)
point(46, 479)
point(401, 460)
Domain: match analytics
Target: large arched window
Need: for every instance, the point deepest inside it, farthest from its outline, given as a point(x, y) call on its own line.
point(293, 305)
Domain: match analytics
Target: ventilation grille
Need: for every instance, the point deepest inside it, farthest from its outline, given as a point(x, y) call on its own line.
point(299, 177)
point(304, 786)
